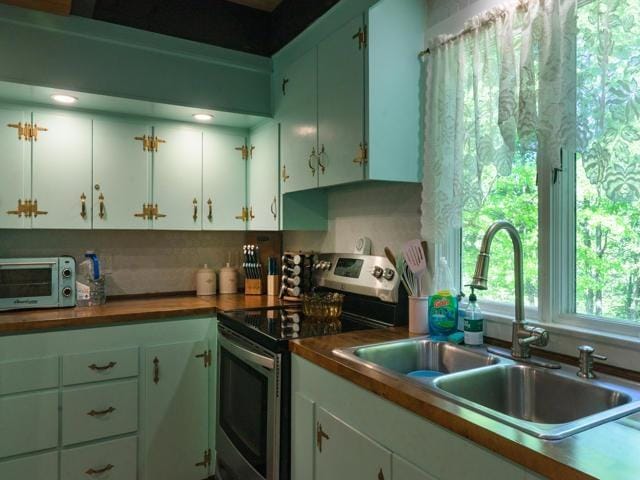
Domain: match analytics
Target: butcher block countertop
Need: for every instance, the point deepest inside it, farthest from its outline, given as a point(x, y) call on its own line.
point(128, 310)
point(609, 451)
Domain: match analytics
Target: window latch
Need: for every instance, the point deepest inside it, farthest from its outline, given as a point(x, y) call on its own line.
point(557, 170)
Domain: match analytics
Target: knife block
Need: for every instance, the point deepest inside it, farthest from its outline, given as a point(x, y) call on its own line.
point(273, 285)
point(253, 286)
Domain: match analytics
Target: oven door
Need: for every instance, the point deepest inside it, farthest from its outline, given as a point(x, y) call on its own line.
point(249, 403)
point(28, 283)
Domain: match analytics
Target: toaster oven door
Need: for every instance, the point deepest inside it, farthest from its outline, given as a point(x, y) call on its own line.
point(26, 283)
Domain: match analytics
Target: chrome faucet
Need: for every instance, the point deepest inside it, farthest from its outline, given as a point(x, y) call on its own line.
point(523, 336)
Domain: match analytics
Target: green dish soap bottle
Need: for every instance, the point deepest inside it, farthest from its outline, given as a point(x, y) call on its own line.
point(443, 304)
point(473, 322)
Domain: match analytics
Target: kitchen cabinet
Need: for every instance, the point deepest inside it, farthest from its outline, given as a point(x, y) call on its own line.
point(177, 177)
point(297, 112)
point(121, 173)
point(341, 105)
point(37, 467)
point(15, 181)
point(262, 178)
point(61, 170)
point(176, 403)
point(224, 180)
point(363, 435)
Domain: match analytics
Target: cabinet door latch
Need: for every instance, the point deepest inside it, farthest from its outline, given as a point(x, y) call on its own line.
point(207, 357)
point(320, 434)
point(206, 459)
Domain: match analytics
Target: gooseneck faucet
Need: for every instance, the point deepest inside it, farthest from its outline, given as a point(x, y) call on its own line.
point(523, 335)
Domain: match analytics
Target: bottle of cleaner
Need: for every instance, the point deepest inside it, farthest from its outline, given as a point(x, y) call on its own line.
point(90, 283)
point(443, 304)
point(473, 322)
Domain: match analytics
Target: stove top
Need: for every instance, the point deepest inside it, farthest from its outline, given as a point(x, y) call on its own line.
point(273, 327)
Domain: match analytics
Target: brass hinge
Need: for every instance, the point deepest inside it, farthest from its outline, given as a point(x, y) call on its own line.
point(363, 154)
point(27, 131)
point(207, 357)
point(247, 152)
point(206, 459)
point(361, 36)
point(155, 212)
point(28, 208)
point(154, 142)
point(146, 142)
point(285, 177)
point(244, 215)
point(146, 211)
point(33, 131)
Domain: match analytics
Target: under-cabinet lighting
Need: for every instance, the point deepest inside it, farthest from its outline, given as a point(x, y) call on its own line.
point(202, 117)
point(61, 98)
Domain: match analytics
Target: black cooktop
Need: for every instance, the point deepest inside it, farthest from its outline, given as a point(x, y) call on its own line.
point(274, 327)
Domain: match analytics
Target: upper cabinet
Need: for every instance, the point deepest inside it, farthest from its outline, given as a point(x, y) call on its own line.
point(15, 181)
point(297, 112)
point(121, 174)
point(262, 178)
point(225, 157)
point(365, 89)
point(177, 177)
point(341, 104)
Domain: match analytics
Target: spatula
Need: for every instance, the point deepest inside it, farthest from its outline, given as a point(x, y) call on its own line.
point(414, 256)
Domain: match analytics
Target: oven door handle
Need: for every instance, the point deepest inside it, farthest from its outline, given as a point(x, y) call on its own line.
point(246, 354)
point(25, 264)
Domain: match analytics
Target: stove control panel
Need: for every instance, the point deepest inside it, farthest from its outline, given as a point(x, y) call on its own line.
point(362, 274)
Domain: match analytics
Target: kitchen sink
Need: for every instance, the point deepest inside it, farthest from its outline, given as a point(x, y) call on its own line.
point(547, 403)
point(422, 353)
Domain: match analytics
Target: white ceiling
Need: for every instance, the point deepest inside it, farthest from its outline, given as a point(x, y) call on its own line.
point(266, 5)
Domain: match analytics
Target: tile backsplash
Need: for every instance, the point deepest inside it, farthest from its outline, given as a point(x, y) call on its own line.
point(134, 261)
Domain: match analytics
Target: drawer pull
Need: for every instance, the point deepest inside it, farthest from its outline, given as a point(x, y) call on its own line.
point(93, 471)
point(101, 368)
point(156, 370)
point(100, 413)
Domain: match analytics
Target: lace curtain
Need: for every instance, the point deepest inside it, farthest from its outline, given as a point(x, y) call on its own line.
point(496, 89)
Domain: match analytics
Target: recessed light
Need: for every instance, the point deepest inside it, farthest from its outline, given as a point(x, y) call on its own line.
point(61, 98)
point(202, 117)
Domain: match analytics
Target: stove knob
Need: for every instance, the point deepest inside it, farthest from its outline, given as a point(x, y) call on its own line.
point(388, 274)
point(377, 271)
point(66, 291)
point(327, 266)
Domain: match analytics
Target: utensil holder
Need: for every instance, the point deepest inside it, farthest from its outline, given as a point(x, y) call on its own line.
point(273, 285)
point(419, 315)
point(253, 286)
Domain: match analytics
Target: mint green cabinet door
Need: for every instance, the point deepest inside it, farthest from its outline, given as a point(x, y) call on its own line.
point(343, 452)
point(15, 165)
point(262, 178)
point(35, 467)
point(61, 170)
point(121, 174)
point(403, 470)
point(297, 113)
point(223, 180)
point(341, 105)
point(177, 177)
point(175, 408)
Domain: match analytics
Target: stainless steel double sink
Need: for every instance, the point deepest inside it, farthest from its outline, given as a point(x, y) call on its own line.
point(549, 404)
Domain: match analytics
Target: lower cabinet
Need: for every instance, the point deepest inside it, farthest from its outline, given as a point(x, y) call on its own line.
point(126, 402)
point(340, 430)
point(176, 403)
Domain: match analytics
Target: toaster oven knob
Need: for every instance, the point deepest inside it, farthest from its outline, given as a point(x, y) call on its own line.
point(66, 291)
point(66, 273)
point(377, 271)
point(388, 274)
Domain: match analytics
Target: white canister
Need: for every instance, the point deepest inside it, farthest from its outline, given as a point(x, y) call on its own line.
point(419, 315)
point(205, 282)
point(228, 279)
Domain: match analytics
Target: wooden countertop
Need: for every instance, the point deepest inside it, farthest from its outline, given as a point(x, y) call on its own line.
point(127, 310)
point(611, 450)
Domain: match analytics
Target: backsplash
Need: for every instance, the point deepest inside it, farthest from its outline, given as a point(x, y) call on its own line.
point(134, 261)
point(388, 213)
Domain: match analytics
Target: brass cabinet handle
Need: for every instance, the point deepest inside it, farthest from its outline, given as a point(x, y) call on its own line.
point(244, 215)
point(101, 207)
point(320, 434)
point(100, 413)
point(93, 471)
point(312, 157)
point(251, 215)
point(284, 85)
point(380, 474)
point(83, 207)
point(101, 368)
point(156, 370)
point(274, 208)
point(320, 164)
point(34, 209)
point(195, 209)
point(210, 215)
point(285, 177)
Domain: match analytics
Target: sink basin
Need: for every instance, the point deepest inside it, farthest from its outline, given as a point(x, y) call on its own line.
point(548, 404)
point(421, 353)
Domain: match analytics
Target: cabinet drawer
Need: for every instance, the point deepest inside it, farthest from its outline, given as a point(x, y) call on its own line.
point(28, 375)
point(99, 411)
point(36, 467)
point(98, 366)
point(114, 460)
point(28, 423)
